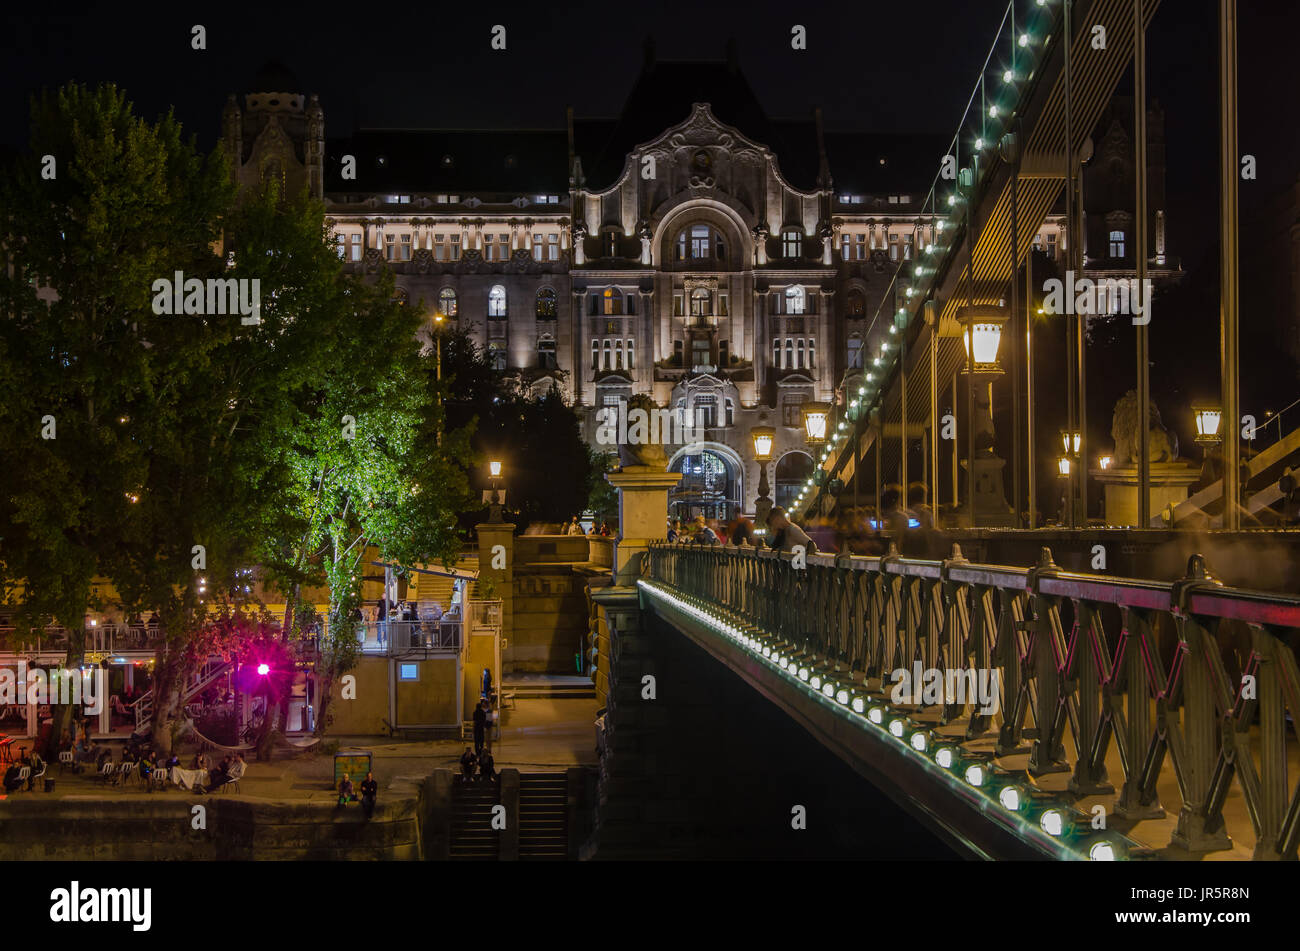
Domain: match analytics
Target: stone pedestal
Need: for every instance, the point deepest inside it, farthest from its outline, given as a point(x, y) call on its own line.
point(642, 516)
point(990, 503)
point(1169, 484)
point(496, 569)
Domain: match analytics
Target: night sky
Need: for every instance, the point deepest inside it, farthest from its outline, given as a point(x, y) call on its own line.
point(905, 67)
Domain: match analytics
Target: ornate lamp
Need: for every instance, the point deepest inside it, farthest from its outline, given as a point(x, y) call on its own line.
point(494, 512)
point(1208, 419)
point(763, 438)
point(816, 422)
point(1070, 442)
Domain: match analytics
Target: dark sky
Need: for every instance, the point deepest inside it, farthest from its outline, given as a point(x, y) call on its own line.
point(899, 67)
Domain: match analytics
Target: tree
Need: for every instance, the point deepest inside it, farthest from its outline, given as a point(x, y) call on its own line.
point(77, 380)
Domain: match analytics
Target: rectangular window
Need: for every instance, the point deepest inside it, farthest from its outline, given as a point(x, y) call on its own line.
point(408, 672)
point(355, 243)
point(677, 305)
point(539, 248)
point(776, 354)
point(893, 247)
point(390, 247)
point(812, 350)
point(455, 247)
point(855, 354)
point(722, 306)
point(792, 244)
point(405, 248)
point(618, 354)
point(706, 410)
point(595, 354)
point(699, 353)
point(608, 351)
point(631, 362)
point(552, 247)
point(677, 352)
point(1117, 244)
point(908, 242)
point(1051, 246)
point(723, 353)
point(546, 354)
point(789, 353)
point(342, 240)
point(497, 354)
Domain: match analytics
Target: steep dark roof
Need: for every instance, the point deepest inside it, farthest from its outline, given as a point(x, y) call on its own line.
point(274, 76)
point(451, 160)
point(662, 97)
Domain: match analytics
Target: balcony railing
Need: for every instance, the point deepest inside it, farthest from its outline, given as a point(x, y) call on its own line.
point(1186, 684)
point(402, 637)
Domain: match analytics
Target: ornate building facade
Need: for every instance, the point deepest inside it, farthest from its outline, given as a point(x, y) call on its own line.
point(726, 264)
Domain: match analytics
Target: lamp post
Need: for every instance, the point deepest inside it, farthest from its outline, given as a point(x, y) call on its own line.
point(494, 512)
point(981, 334)
point(1208, 420)
point(1071, 441)
point(1067, 494)
point(762, 437)
point(816, 427)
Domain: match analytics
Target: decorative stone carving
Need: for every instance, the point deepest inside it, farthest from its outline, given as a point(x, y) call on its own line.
point(651, 454)
point(1162, 445)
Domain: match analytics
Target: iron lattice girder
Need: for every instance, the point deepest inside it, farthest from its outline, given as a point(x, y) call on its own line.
point(1101, 671)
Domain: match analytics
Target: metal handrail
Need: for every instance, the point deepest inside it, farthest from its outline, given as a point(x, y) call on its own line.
point(1072, 650)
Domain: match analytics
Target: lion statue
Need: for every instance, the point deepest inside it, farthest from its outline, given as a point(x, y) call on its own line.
point(1162, 444)
point(641, 454)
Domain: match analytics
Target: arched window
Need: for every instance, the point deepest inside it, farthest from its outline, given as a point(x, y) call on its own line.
point(447, 302)
point(856, 305)
point(497, 301)
point(794, 300)
point(546, 304)
point(701, 302)
point(618, 354)
point(730, 409)
point(613, 301)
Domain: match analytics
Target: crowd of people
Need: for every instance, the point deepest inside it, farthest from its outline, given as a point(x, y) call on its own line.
point(859, 531)
point(575, 528)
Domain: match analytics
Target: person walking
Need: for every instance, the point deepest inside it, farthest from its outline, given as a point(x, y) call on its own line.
point(369, 792)
point(786, 535)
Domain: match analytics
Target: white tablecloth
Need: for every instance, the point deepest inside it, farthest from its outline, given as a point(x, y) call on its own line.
point(189, 777)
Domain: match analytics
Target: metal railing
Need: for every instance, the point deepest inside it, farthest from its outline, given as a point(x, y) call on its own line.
point(1188, 675)
point(399, 637)
point(101, 638)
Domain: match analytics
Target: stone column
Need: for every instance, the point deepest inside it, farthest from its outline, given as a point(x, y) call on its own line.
point(642, 516)
point(490, 535)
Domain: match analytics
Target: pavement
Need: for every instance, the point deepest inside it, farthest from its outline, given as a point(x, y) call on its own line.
point(538, 735)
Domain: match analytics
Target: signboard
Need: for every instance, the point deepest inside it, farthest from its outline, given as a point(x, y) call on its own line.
point(356, 764)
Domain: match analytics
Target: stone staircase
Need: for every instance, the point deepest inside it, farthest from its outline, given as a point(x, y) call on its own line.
point(472, 835)
point(543, 816)
point(548, 687)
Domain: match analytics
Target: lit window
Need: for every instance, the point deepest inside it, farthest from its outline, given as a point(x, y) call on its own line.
point(404, 247)
point(792, 243)
point(497, 301)
point(447, 302)
point(1117, 244)
point(355, 244)
point(613, 302)
point(408, 672)
point(342, 240)
point(701, 302)
point(497, 354)
point(856, 307)
point(795, 301)
point(546, 304)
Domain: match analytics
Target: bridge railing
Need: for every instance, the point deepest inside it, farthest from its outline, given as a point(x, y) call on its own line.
point(1189, 675)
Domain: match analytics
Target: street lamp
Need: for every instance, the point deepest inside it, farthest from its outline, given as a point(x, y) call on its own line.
point(1208, 419)
point(986, 502)
point(1063, 466)
point(816, 420)
point(494, 513)
point(1068, 438)
point(763, 437)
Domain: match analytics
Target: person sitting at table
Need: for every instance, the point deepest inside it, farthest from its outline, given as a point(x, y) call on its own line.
point(37, 766)
point(172, 761)
point(218, 776)
point(200, 761)
point(148, 763)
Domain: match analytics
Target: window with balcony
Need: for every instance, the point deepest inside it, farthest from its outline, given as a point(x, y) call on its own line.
point(497, 301)
point(701, 302)
point(795, 300)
